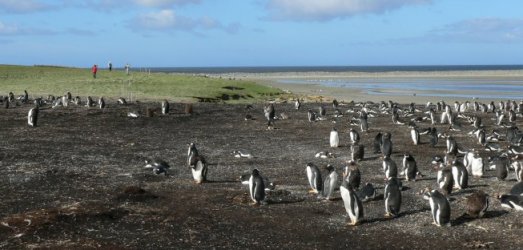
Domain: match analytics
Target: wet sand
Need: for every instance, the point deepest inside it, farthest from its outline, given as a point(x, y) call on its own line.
point(313, 84)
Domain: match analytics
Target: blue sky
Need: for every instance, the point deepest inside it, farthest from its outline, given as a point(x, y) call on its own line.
point(202, 33)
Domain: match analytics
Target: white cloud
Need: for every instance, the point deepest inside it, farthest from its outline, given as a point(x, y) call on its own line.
point(480, 30)
point(322, 10)
point(6, 29)
point(23, 6)
point(168, 20)
point(165, 3)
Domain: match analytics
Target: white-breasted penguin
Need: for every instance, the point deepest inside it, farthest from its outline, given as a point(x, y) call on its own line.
point(354, 136)
point(439, 207)
point(357, 152)
point(331, 183)
point(445, 180)
point(477, 204)
point(256, 187)
point(476, 166)
point(392, 197)
point(511, 201)
point(410, 167)
point(386, 145)
point(389, 168)
point(377, 143)
point(414, 135)
point(314, 177)
point(158, 166)
point(297, 104)
point(32, 116)
point(122, 101)
point(352, 203)
point(367, 192)
point(460, 175)
point(452, 147)
point(270, 114)
point(199, 171)
point(518, 169)
point(165, 107)
point(352, 174)
point(101, 102)
point(334, 138)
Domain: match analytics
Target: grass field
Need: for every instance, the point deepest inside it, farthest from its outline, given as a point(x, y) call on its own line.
point(46, 80)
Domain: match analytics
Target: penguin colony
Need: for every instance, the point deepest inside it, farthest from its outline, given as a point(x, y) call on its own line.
point(455, 169)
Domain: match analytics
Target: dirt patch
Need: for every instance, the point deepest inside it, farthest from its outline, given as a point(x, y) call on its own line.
point(78, 180)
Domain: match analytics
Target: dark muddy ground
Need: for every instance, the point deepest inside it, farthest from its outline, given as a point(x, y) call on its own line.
point(77, 180)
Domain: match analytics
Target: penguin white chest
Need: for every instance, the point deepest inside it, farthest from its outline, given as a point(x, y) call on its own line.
point(334, 139)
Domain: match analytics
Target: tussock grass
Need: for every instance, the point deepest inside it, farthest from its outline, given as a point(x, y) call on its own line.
point(52, 80)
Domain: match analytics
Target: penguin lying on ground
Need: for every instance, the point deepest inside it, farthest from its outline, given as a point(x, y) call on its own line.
point(158, 166)
point(477, 204)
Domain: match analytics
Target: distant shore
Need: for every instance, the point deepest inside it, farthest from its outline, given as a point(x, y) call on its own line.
point(311, 84)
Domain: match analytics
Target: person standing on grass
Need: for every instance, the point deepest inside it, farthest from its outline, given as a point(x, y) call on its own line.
point(94, 70)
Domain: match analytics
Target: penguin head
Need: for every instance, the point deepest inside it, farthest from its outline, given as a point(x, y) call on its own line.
point(255, 172)
point(329, 168)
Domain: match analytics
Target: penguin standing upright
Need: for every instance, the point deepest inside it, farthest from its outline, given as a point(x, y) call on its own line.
point(518, 169)
point(311, 115)
point(389, 167)
point(256, 187)
point(354, 136)
point(101, 102)
point(392, 197)
point(445, 180)
point(364, 123)
point(192, 155)
point(199, 171)
point(297, 104)
point(500, 164)
point(476, 165)
point(477, 204)
point(386, 145)
point(32, 117)
point(270, 114)
point(439, 207)
point(377, 143)
point(352, 175)
point(410, 168)
point(414, 135)
point(433, 137)
point(6, 102)
point(452, 147)
point(334, 138)
point(460, 175)
point(314, 177)
point(352, 203)
point(89, 102)
point(165, 107)
point(331, 182)
point(322, 111)
point(357, 152)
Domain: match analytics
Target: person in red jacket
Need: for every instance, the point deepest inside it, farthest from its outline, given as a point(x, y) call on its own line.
point(94, 70)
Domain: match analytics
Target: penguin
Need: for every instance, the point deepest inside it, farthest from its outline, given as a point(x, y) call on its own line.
point(334, 138)
point(354, 136)
point(377, 143)
point(460, 175)
point(256, 187)
point(68, 96)
point(77, 100)
point(357, 152)
point(481, 137)
point(297, 104)
point(324, 155)
point(452, 147)
point(392, 197)
point(386, 145)
point(432, 116)
point(500, 164)
point(518, 170)
point(270, 114)
point(477, 204)
point(414, 135)
point(89, 102)
point(352, 203)
point(122, 101)
point(240, 154)
point(352, 175)
point(330, 184)
point(101, 102)
point(199, 171)
point(32, 117)
point(165, 107)
point(389, 167)
point(433, 137)
point(311, 115)
point(245, 178)
point(511, 201)
point(477, 167)
point(335, 104)
point(367, 192)
point(314, 177)
point(364, 124)
point(6, 102)
point(192, 155)
point(410, 168)
point(445, 180)
point(517, 189)
point(11, 97)
point(158, 166)
point(322, 111)
point(439, 207)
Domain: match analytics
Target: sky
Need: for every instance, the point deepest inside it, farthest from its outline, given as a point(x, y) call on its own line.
point(210, 33)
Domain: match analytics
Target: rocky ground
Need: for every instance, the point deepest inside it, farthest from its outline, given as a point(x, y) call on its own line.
point(78, 181)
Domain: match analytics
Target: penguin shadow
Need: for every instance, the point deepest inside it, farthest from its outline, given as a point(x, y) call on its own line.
point(221, 181)
point(465, 218)
point(371, 158)
point(478, 185)
point(464, 191)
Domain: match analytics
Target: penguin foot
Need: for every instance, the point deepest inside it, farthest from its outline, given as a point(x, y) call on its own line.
point(312, 191)
point(350, 223)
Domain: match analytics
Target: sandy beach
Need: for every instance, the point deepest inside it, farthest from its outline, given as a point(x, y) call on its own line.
point(394, 85)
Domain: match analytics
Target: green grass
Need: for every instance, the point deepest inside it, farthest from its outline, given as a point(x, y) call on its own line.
point(46, 80)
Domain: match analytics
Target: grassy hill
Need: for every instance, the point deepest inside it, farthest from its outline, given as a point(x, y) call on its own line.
point(46, 80)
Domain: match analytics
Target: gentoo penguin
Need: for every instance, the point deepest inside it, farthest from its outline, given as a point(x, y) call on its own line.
point(352, 203)
point(414, 135)
point(311, 115)
point(122, 101)
point(445, 180)
point(25, 97)
point(357, 152)
point(511, 201)
point(335, 104)
point(389, 167)
point(6, 102)
point(432, 116)
point(410, 168)
point(367, 192)
point(158, 166)
point(297, 104)
point(76, 100)
point(68, 96)
point(518, 169)
point(352, 174)
point(32, 117)
point(240, 154)
point(331, 183)
point(245, 178)
point(192, 155)
point(476, 165)
point(433, 137)
point(334, 138)
point(500, 165)
point(364, 125)
point(314, 177)
point(377, 143)
point(322, 111)
point(392, 197)
point(439, 207)
point(165, 107)
point(386, 145)
point(256, 187)
point(460, 175)
point(65, 101)
point(11, 97)
point(89, 102)
point(199, 171)
point(101, 102)
point(477, 204)
point(324, 155)
point(452, 147)
point(270, 114)
point(354, 136)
